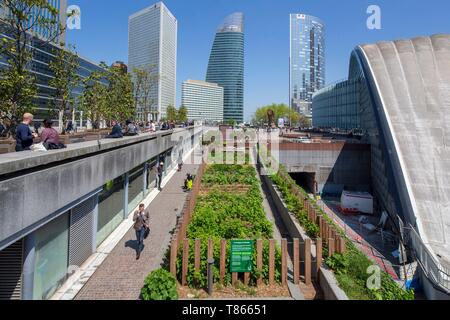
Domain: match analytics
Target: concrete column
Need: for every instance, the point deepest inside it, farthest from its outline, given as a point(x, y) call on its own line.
point(95, 225)
point(125, 196)
point(29, 254)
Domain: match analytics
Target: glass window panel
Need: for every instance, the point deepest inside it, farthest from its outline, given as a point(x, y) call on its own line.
point(110, 208)
point(50, 270)
point(135, 187)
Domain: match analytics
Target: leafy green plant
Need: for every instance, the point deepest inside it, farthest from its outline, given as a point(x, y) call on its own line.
point(160, 285)
point(223, 214)
point(350, 267)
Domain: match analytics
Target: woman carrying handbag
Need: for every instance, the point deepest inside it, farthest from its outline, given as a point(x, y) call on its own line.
point(141, 220)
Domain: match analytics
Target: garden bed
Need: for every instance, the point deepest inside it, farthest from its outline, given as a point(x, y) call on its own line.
point(350, 268)
point(222, 213)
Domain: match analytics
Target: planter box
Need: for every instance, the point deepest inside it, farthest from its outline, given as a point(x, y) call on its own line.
point(327, 280)
point(329, 285)
point(7, 145)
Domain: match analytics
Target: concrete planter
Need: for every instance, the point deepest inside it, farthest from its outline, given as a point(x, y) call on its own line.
point(327, 280)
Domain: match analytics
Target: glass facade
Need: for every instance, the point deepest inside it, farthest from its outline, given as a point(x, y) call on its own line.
point(307, 61)
point(110, 208)
point(203, 100)
point(135, 187)
point(152, 34)
point(151, 175)
point(226, 66)
point(51, 260)
point(336, 106)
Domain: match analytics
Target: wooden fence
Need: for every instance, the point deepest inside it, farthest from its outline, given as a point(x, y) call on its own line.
point(188, 208)
point(306, 265)
point(333, 239)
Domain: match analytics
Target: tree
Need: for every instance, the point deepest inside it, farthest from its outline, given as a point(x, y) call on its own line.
point(231, 122)
point(182, 114)
point(171, 113)
point(280, 111)
point(94, 100)
point(17, 84)
point(144, 81)
point(64, 68)
point(120, 103)
point(304, 122)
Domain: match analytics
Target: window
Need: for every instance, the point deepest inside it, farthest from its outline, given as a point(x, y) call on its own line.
point(110, 208)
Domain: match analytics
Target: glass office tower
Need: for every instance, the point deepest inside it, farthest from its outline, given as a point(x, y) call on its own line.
point(152, 37)
point(307, 61)
point(226, 65)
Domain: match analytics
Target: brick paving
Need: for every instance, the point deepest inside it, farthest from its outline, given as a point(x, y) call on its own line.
point(121, 276)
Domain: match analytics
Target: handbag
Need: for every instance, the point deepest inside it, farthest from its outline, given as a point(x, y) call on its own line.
point(146, 232)
point(38, 147)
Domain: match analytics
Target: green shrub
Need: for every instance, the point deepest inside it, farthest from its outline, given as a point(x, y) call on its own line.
point(351, 267)
point(351, 273)
point(160, 285)
point(227, 215)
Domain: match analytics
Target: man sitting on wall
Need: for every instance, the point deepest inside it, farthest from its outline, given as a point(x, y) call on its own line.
point(24, 137)
point(116, 131)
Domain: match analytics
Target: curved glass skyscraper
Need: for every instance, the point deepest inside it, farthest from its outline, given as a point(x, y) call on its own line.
point(226, 65)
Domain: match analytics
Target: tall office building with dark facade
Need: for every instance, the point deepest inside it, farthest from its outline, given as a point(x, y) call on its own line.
point(307, 61)
point(226, 65)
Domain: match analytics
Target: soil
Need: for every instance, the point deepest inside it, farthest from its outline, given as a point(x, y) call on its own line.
point(240, 291)
point(311, 292)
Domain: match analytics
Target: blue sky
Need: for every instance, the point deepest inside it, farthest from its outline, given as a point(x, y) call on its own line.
point(104, 34)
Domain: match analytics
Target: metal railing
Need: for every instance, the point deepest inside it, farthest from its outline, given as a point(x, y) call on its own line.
point(435, 271)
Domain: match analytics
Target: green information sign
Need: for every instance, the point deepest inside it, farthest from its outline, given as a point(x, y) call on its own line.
point(241, 255)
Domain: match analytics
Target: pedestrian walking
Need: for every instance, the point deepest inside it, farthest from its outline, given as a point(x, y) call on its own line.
point(141, 220)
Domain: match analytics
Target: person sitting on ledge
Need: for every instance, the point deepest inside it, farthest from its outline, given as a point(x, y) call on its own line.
point(24, 137)
point(131, 129)
point(50, 137)
point(116, 132)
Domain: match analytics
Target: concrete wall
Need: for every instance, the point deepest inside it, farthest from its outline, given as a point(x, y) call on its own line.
point(336, 165)
point(36, 188)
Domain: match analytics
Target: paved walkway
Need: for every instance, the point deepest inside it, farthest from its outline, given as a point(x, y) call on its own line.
point(121, 276)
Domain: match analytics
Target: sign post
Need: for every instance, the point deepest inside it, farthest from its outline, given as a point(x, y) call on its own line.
point(241, 255)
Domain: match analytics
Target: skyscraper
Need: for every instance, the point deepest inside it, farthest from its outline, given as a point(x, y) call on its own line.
point(152, 37)
point(307, 61)
point(203, 100)
point(226, 65)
